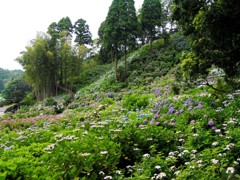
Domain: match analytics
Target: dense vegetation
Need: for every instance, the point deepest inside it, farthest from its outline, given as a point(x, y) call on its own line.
point(152, 98)
point(7, 75)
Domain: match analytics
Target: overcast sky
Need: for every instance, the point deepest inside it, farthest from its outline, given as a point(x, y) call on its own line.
point(22, 19)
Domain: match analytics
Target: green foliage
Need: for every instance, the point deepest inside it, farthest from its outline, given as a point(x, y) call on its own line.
point(29, 99)
point(83, 35)
point(1, 85)
point(120, 31)
point(151, 18)
point(16, 90)
point(144, 137)
point(136, 101)
point(187, 66)
point(211, 42)
point(107, 101)
point(50, 102)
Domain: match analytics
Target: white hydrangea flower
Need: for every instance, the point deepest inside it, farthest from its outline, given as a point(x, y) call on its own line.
point(215, 161)
point(146, 155)
point(230, 170)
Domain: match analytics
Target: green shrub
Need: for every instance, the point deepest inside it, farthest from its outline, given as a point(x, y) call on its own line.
point(136, 101)
point(50, 102)
point(108, 101)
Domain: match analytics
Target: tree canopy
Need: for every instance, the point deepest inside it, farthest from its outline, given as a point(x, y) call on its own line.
point(213, 27)
point(151, 18)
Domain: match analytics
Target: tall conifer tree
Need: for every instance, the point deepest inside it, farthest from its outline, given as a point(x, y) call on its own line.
point(119, 28)
point(151, 18)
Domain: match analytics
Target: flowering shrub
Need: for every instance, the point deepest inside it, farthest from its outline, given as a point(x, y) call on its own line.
point(145, 137)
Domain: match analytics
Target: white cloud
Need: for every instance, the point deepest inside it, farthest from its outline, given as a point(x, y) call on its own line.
point(21, 20)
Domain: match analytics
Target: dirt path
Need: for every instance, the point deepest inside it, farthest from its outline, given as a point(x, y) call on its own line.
point(2, 109)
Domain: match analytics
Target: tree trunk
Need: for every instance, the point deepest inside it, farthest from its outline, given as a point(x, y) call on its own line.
point(116, 67)
point(125, 64)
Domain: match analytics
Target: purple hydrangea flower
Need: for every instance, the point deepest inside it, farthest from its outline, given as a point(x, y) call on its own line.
point(190, 108)
point(192, 121)
point(181, 111)
point(156, 116)
point(171, 110)
point(214, 128)
point(165, 122)
point(145, 121)
point(200, 105)
point(173, 119)
point(172, 123)
point(152, 121)
point(211, 123)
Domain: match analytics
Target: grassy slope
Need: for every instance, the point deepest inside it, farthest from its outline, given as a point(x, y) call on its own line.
point(100, 136)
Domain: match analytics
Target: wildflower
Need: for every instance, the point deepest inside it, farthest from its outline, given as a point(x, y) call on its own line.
point(199, 161)
point(161, 175)
point(211, 123)
point(156, 116)
point(230, 170)
point(50, 147)
point(129, 167)
point(85, 154)
point(141, 126)
point(190, 108)
point(108, 177)
point(235, 162)
point(136, 149)
point(181, 111)
point(157, 123)
point(8, 148)
point(215, 161)
point(171, 110)
point(104, 152)
point(145, 121)
point(176, 173)
point(101, 173)
point(195, 135)
point(214, 143)
point(165, 122)
point(192, 121)
point(172, 168)
point(172, 123)
point(214, 128)
point(146, 155)
point(193, 156)
point(228, 147)
point(118, 172)
point(200, 105)
point(194, 151)
point(217, 130)
point(157, 167)
point(152, 121)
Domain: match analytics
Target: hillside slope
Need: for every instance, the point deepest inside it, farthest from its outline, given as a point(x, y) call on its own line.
point(152, 127)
